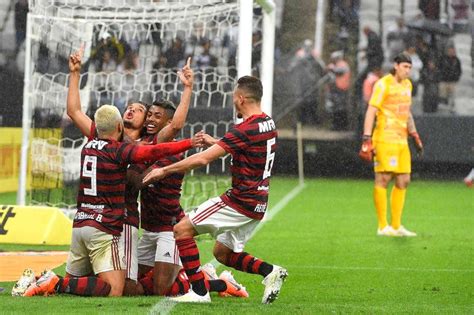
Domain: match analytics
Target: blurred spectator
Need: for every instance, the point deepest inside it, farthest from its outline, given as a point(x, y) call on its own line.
point(423, 50)
point(461, 15)
point(130, 63)
point(374, 50)
point(430, 8)
point(367, 88)
point(374, 55)
point(197, 39)
point(346, 12)
point(173, 57)
point(416, 66)
point(21, 12)
point(306, 70)
point(337, 102)
point(450, 68)
point(430, 78)
point(205, 60)
point(108, 53)
point(369, 82)
point(108, 63)
point(397, 37)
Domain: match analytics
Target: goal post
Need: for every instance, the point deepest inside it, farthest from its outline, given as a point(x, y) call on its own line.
point(139, 32)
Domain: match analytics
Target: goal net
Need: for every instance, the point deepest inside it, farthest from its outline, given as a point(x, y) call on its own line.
point(133, 49)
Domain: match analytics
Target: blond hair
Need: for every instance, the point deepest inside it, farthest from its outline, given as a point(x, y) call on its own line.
point(106, 119)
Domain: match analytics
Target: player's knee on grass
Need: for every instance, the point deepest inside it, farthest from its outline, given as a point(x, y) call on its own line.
point(164, 276)
point(116, 280)
point(130, 288)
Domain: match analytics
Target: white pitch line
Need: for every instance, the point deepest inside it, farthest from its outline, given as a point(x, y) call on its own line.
point(165, 306)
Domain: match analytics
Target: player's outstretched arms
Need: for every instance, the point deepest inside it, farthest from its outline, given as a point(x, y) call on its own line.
point(168, 133)
point(209, 140)
point(197, 160)
point(147, 153)
point(74, 111)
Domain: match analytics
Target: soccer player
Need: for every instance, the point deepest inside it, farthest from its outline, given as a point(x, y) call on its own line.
point(390, 104)
point(99, 219)
point(161, 210)
point(233, 216)
point(134, 118)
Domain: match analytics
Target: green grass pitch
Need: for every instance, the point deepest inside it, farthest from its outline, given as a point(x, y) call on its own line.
point(326, 239)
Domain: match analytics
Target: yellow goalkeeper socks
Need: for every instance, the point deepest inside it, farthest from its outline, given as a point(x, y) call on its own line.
point(397, 201)
point(380, 200)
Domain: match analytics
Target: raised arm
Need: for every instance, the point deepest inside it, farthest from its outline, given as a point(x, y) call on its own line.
point(168, 133)
point(74, 111)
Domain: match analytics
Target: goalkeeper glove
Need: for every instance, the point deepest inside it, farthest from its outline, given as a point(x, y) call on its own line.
point(418, 144)
point(366, 152)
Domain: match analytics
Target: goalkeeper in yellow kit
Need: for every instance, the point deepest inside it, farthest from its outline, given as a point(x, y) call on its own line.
point(388, 146)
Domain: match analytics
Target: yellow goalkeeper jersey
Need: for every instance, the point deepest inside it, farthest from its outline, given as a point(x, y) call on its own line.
point(393, 101)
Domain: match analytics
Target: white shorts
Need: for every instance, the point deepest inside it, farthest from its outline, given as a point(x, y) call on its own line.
point(94, 251)
point(129, 241)
point(226, 225)
point(157, 247)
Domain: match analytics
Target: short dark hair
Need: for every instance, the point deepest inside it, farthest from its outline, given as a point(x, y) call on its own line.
point(402, 57)
point(168, 106)
point(252, 86)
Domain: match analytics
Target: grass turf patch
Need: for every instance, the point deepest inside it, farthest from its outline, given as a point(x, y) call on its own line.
point(326, 239)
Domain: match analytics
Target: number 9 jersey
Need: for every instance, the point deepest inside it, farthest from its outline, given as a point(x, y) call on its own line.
point(252, 145)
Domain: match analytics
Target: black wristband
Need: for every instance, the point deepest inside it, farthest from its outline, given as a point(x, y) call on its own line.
point(366, 137)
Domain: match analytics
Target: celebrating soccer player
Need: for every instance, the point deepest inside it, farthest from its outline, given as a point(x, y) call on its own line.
point(233, 216)
point(388, 146)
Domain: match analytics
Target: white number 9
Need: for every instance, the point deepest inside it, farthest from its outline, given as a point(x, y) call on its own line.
point(91, 173)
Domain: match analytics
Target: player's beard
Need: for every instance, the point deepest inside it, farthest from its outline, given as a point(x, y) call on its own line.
point(128, 124)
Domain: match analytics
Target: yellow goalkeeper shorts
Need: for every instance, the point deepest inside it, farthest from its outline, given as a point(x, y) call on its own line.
point(392, 158)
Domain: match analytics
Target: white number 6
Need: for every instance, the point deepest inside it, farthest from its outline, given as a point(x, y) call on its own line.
point(270, 157)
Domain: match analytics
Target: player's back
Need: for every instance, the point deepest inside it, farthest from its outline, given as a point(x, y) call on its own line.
point(100, 201)
point(252, 145)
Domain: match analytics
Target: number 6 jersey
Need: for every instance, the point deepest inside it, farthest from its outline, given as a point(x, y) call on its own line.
point(252, 145)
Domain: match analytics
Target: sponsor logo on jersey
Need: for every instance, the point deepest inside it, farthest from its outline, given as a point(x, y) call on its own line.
point(96, 144)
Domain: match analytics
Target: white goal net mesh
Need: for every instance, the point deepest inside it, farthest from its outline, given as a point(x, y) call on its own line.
point(133, 49)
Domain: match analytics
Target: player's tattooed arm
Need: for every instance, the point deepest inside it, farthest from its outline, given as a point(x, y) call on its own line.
point(74, 110)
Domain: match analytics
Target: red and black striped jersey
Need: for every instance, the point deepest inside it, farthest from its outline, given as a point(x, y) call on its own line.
point(252, 145)
point(101, 197)
point(160, 206)
point(132, 215)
